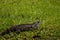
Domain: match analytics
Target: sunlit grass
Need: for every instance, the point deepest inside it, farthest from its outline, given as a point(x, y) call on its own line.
point(27, 11)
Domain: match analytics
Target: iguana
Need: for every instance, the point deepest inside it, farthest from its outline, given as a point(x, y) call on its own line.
point(20, 28)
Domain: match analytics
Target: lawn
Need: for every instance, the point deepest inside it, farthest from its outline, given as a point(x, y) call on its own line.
point(14, 12)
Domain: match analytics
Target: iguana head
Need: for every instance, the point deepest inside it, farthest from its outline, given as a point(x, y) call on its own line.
point(35, 24)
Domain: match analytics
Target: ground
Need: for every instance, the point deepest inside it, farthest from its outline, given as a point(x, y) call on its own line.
point(14, 12)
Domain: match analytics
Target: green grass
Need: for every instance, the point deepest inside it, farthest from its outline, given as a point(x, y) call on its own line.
point(14, 12)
